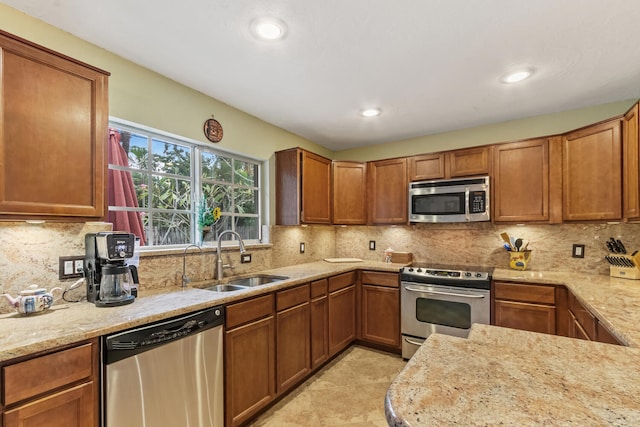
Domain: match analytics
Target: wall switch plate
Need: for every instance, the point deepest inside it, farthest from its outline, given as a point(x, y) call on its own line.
point(372, 245)
point(578, 251)
point(302, 248)
point(70, 267)
point(245, 258)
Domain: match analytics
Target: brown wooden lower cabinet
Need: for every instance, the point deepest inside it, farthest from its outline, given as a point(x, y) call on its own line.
point(319, 322)
point(380, 308)
point(525, 306)
point(249, 359)
point(293, 337)
point(59, 389)
point(585, 325)
point(548, 309)
point(342, 311)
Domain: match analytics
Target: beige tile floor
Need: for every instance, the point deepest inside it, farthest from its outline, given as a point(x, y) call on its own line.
point(349, 391)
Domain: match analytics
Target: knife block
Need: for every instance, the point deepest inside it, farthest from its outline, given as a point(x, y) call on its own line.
point(632, 273)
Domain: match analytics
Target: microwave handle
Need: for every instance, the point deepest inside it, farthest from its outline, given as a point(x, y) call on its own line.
point(466, 204)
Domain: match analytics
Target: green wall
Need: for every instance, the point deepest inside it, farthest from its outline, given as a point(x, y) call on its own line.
point(143, 96)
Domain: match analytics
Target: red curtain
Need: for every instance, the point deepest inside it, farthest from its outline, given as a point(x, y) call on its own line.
point(122, 191)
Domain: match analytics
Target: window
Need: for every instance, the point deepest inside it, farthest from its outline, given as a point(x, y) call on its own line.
point(172, 191)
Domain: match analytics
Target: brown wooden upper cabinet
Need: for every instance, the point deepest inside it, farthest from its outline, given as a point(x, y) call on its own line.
point(523, 173)
point(349, 186)
point(450, 164)
point(630, 165)
point(592, 173)
point(303, 189)
point(54, 118)
point(388, 191)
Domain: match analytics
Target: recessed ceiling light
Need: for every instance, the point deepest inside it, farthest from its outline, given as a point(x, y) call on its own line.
point(517, 76)
point(371, 112)
point(269, 28)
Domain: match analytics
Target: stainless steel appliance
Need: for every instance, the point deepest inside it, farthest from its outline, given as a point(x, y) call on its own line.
point(166, 374)
point(109, 278)
point(450, 200)
point(444, 300)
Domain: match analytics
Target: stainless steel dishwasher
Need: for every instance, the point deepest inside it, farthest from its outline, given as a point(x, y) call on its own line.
point(168, 373)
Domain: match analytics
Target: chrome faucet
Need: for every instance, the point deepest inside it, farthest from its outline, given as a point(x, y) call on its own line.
point(219, 266)
point(185, 279)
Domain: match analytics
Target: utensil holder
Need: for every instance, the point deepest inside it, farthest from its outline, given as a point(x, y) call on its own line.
point(519, 260)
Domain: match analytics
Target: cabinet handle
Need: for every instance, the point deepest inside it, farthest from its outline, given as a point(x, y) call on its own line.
point(450, 294)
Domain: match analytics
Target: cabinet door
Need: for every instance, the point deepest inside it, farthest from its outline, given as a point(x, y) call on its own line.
point(316, 180)
point(74, 407)
point(521, 181)
point(592, 173)
point(388, 191)
point(319, 331)
point(603, 335)
point(53, 118)
point(427, 166)
point(381, 315)
point(293, 346)
point(349, 193)
point(630, 165)
point(469, 162)
point(250, 369)
point(302, 188)
point(342, 318)
point(525, 316)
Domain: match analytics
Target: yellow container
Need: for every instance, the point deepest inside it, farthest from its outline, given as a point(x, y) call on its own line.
point(519, 260)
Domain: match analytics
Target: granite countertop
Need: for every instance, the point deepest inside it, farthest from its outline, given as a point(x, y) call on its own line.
point(68, 323)
point(501, 376)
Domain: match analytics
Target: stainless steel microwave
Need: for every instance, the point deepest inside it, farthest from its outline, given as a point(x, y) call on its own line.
point(450, 200)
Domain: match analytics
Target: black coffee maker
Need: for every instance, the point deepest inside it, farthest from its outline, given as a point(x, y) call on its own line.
point(109, 278)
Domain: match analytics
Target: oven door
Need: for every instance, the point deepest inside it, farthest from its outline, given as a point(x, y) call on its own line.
point(428, 309)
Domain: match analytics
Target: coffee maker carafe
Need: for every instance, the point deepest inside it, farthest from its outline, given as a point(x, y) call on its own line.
point(109, 278)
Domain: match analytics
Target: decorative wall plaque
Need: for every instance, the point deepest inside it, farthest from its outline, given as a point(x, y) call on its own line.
point(213, 130)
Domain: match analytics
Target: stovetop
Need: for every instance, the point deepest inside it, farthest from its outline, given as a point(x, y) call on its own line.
point(453, 275)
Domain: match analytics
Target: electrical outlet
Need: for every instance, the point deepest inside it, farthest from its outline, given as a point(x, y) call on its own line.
point(302, 247)
point(70, 267)
point(372, 245)
point(245, 258)
point(578, 251)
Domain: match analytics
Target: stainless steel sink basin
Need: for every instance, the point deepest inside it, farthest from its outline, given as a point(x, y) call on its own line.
point(225, 288)
point(257, 280)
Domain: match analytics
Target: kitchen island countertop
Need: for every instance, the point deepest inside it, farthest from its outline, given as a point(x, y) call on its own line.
point(501, 376)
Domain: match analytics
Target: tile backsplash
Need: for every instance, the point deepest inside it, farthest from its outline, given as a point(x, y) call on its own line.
point(29, 252)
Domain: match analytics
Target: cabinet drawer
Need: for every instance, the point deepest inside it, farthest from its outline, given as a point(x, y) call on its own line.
point(319, 288)
point(538, 294)
point(583, 316)
point(341, 281)
point(380, 279)
point(46, 373)
point(248, 311)
point(292, 297)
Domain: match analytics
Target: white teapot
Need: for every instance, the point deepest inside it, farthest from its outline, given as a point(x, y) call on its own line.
point(32, 300)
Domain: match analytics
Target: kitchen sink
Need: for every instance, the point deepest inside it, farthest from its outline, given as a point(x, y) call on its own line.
point(257, 280)
point(225, 288)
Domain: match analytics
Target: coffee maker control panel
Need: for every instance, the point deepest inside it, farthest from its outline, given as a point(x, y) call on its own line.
point(115, 246)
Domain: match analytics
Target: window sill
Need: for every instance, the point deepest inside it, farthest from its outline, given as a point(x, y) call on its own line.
point(152, 252)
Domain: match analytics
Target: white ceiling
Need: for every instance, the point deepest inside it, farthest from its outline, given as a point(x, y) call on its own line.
point(431, 65)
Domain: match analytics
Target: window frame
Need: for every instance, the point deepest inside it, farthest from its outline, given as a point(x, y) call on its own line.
point(196, 180)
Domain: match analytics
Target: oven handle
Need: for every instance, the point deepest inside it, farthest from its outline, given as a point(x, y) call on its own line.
point(450, 294)
point(410, 341)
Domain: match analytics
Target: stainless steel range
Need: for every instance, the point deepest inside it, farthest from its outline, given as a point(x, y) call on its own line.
point(442, 299)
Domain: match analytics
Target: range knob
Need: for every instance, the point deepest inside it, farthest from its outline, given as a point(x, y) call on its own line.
point(467, 274)
point(478, 275)
point(410, 269)
point(419, 270)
